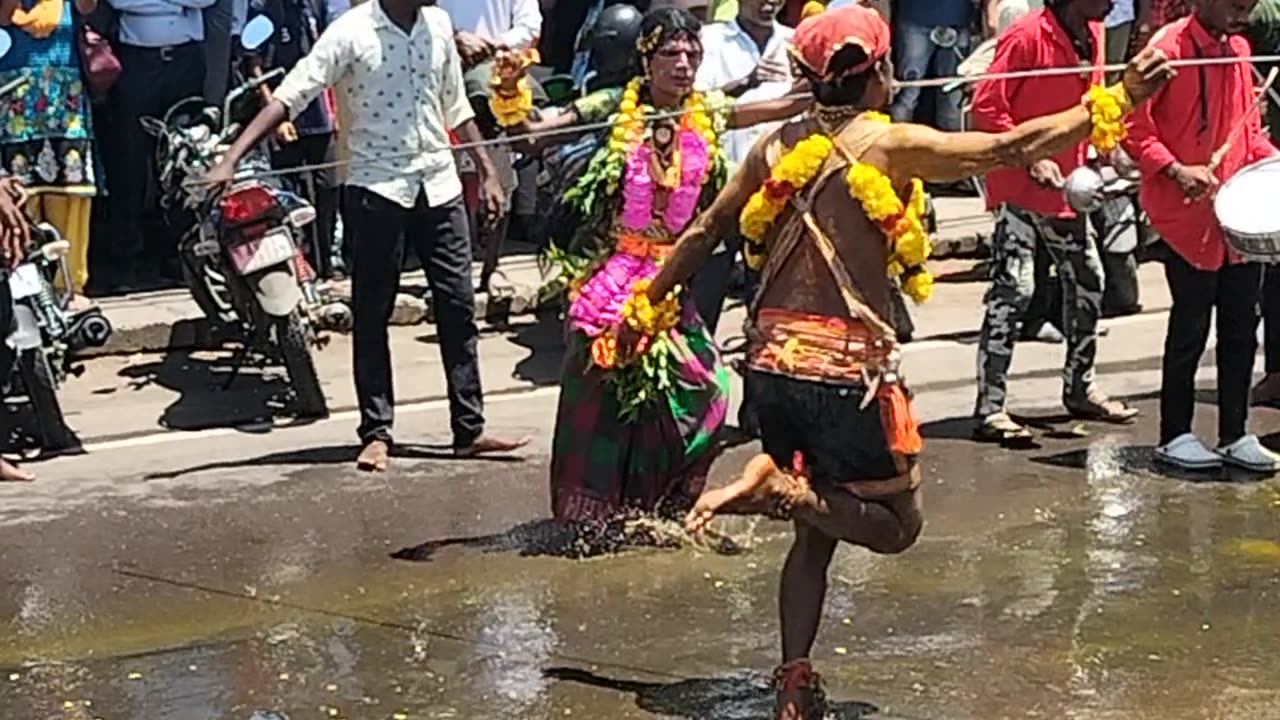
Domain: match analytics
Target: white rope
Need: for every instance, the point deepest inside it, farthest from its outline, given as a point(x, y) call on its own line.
point(582, 128)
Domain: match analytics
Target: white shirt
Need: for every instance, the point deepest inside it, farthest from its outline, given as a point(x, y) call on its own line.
point(1122, 11)
point(160, 23)
point(729, 55)
point(513, 23)
point(401, 94)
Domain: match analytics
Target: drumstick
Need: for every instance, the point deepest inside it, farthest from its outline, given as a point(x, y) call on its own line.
point(1240, 125)
point(1221, 153)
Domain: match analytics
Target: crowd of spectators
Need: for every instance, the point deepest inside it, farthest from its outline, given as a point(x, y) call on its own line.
point(70, 146)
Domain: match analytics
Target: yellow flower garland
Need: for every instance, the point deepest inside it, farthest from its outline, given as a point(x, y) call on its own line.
point(1107, 108)
point(628, 125)
point(901, 223)
point(646, 318)
point(811, 9)
point(794, 171)
point(511, 110)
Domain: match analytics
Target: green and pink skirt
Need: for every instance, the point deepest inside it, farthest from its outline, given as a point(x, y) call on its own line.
point(605, 463)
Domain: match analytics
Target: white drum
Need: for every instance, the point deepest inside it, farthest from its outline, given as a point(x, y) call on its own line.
point(1244, 206)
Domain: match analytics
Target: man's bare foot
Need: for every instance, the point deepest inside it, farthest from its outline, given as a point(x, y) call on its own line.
point(485, 445)
point(1267, 391)
point(12, 473)
point(760, 486)
point(374, 457)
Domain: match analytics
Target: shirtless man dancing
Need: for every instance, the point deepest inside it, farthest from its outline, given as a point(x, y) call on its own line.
point(840, 442)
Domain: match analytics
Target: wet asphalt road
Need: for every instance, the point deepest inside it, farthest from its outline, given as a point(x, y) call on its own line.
point(232, 572)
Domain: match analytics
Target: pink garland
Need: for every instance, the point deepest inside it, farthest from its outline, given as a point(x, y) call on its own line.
point(683, 201)
point(638, 192)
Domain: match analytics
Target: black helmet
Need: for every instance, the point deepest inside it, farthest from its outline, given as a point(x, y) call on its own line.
point(612, 41)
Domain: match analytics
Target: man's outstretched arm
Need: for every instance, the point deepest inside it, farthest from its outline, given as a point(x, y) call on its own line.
point(720, 220)
point(918, 151)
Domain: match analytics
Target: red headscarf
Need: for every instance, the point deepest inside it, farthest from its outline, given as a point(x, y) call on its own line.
point(819, 38)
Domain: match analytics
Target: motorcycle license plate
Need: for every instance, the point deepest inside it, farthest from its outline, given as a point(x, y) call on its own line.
point(271, 249)
point(24, 281)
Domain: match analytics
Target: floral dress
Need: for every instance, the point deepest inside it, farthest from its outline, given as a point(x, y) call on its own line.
point(639, 438)
point(46, 133)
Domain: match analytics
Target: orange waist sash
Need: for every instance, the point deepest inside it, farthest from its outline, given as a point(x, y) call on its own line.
point(819, 347)
point(837, 350)
point(644, 247)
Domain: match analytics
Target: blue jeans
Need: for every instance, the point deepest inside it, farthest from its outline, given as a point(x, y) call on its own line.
point(916, 57)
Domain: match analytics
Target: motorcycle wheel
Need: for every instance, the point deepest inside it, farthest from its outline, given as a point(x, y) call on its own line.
point(42, 392)
point(294, 340)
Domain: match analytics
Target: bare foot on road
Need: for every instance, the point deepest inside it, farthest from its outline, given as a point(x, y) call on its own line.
point(485, 445)
point(374, 457)
point(12, 473)
point(761, 483)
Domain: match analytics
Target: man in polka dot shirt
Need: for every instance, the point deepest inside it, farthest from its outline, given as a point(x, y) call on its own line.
point(398, 76)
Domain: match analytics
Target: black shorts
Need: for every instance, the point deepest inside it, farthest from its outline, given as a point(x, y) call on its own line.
point(840, 441)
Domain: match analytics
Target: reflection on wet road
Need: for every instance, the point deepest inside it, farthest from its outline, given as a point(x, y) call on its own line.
point(1073, 581)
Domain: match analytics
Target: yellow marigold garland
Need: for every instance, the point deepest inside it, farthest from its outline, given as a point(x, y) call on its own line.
point(647, 318)
point(795, 170)
point(510, 110)
point(901, 223)
point(812, 8)
point(511, 100)
point(628, 126)
point(1107, 108)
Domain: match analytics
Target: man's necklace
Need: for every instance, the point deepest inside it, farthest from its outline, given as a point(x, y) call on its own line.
point(835, 116)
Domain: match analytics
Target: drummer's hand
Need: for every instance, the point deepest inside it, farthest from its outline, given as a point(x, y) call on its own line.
point(1195, 180)
point(1046, 173)
point(1147, 72)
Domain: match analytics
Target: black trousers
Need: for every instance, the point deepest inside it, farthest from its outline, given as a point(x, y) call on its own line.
point(319, 187)
point(709, 286)
point(380, 229)
point(1271, 317)
point(152, 81)
point(1233, 292)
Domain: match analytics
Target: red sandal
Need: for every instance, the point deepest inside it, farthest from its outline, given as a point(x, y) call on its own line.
point(800, 694)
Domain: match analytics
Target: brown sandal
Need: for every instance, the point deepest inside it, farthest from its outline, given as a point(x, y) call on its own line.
point(800, 693)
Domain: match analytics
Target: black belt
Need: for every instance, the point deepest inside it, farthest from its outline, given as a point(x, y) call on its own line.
point(166, 53)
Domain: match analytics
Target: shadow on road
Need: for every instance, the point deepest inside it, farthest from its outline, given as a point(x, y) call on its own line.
point(554, 538)
point(741, 696)
point(532, 539)
point(333, 455)
point(544, 339)
point(204, 399)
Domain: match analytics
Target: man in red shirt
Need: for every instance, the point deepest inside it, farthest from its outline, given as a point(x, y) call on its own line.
point(1173, 138)
point(1031, 209)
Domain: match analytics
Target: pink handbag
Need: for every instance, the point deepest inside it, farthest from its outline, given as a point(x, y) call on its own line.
point(98, 62)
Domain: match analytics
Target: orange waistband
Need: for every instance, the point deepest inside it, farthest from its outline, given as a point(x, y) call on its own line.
point(816, 346)
point(642, 246)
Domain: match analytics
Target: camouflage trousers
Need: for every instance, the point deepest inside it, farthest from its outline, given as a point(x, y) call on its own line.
point(1012, 285)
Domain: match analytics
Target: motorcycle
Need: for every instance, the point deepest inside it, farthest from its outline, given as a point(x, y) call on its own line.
point(242, 258)
point(46, 335)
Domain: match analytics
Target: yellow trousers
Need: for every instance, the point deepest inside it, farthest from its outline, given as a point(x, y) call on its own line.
point(70, 215)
